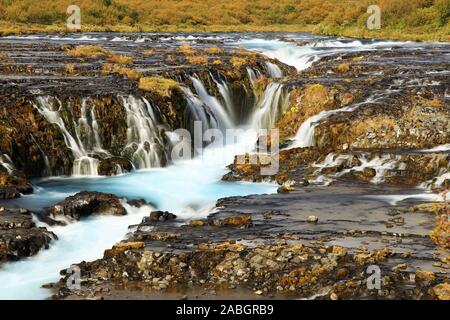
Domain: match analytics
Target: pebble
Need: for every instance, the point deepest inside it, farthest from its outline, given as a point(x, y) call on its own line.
point(312, 219)
point(258, 292)
point(334, 296)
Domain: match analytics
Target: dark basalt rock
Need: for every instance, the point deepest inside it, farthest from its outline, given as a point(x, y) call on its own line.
point(86, 203)
point(113, 166)
point(12, 187)
point(161, 216)
point(19, 236)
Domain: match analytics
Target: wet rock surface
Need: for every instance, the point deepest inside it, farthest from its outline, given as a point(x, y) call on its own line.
point(19, 236)
point(267, 244)
point(370, 123)
point(86, 203)
point(102, 103)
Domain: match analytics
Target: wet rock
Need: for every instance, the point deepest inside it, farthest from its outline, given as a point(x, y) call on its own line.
point(86, 203)
point(442, 291)
point(424, 276)
point(114, 166)
point(19, 236)
point(285, 189)
point(12, 187)
point(162, 216)
point(137, 203)
point(197, 223)
point(237, 221)
point(312, 219)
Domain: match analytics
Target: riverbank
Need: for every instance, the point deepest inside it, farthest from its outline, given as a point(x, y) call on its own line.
point(410, 34)
point(363, 165)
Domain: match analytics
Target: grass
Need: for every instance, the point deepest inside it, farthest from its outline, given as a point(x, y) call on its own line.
point(70, 68)
point(441, 233)
point(89, 51)
point(197, 59)
point(401, 19)
point(129, 73)
point(162, 86)
point(214, 51)
point(93, 51)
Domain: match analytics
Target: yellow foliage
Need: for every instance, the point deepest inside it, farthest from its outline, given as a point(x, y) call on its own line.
point(131, 74)
point(162, 86)
point(214, 50)
point(148, 52)
point(186, 49)
point(70, 68)
point(238, 62)
point(119, 59)
point(93, 51)
point(89, 51)
point(413, 19)
point(197, 59)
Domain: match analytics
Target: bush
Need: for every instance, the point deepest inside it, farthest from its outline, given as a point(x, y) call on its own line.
point(162, 86)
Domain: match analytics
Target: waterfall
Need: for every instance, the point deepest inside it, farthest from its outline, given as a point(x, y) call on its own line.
point(145, 143)
point(6, 162)
point(87, 129)
point(273, 70)
point(305, 134)
point(83, 163)
point(47, 171)
point(198, 111)
point(226, 95)
point(269, 107)
point(216, 107)
point(253, 75)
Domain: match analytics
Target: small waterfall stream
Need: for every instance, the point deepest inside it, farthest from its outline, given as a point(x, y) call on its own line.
point(273, 70)
point(145, 141)
point(270, 106)
point(83, 164)
point(224, 120)
point(6, 162)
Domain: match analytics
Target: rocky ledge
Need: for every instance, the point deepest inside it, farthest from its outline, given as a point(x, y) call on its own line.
point(19, 236)
point(276, 246)
point(85, 204)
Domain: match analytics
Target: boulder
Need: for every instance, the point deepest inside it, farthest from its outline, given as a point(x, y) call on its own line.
point(12, 187)
point(114, 166)
point(161, 216)
point(19, 236)
point(86, 203)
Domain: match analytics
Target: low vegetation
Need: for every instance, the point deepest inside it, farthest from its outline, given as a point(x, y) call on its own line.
point(441, 233)
point(401, 19)
point(129, 73)
point(162, 86)
point(93, 51)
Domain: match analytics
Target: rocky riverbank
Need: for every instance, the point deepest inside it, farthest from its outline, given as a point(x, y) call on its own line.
point(364, 142)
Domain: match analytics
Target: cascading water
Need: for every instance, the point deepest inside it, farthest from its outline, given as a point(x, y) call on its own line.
point(305, 134)
point(213, 103)
point(198, 111)
point(83, 164)
point(253, 75)
point(226, 96)
point(87, 129)
point(6, 162)
point(273, 70)
point(269, 107)
point(47, 171)
point(145, 142)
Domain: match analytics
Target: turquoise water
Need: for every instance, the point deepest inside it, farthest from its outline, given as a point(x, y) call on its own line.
point(188, 188)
